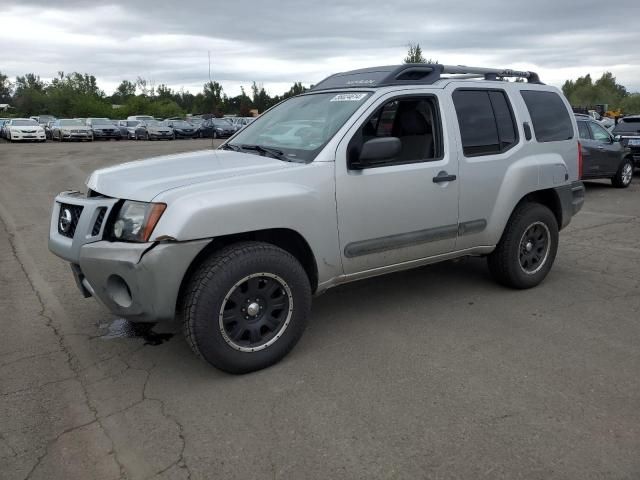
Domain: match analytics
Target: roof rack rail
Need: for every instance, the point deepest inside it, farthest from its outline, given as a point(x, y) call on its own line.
point(416, 74)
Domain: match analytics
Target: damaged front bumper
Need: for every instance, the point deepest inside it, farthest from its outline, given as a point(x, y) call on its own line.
point(138, 281)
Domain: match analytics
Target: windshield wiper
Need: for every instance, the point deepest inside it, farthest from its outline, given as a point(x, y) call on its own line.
point(230, 146)
point(274, 152)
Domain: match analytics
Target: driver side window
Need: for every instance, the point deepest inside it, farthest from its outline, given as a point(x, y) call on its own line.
point(599, 133)
point(415, 121)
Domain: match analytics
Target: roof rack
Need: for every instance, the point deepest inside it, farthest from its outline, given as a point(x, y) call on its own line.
point(416, 74)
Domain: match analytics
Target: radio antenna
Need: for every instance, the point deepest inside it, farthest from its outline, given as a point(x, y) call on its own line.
point(211, 87)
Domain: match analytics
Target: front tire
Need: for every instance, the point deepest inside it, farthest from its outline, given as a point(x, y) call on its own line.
point(526, 252)
point(624, 175)
point(246, 307)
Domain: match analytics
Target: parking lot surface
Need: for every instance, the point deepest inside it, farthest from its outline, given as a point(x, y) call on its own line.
point(432, 373)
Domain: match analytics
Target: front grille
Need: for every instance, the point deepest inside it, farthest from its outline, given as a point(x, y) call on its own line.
point(68, 219)
point(98, 225)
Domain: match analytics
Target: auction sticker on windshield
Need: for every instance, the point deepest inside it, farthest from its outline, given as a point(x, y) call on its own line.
point(348, 97)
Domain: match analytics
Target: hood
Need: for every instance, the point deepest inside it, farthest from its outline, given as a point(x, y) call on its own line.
point(159, 129)
point(145, 179)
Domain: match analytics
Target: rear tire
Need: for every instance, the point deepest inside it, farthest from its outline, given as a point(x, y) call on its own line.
point(624, 175)
point(246, 307)
point(527, 249)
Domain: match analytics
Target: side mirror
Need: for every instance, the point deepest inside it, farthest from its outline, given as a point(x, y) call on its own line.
point(378, 150)
point(617, 138)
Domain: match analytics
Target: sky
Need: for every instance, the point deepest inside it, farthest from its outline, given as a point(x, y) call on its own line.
point(276, 43)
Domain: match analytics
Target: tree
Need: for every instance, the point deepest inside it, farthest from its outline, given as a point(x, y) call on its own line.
point(125, 90)
point(212, 93)
point(5, 89)
point(414, 55)
point(584, 92)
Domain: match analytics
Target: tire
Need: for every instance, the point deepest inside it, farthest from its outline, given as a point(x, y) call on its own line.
point(215, 134)
point(513, 263)
point(624, 175)
point(217, 287)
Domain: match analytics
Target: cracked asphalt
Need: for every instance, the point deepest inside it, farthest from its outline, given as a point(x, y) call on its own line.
point(432, 373)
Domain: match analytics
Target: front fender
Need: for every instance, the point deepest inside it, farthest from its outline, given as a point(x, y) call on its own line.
point(304, 203)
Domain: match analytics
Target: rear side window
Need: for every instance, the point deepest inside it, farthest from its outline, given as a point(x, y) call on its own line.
point(487, 126)
point(551, 120)
point(583, 130)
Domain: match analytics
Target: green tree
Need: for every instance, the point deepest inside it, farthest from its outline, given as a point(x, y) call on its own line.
point(414, 55)
point(631, 104)
point(5, 89)
point(125, 90)
point(213, 99)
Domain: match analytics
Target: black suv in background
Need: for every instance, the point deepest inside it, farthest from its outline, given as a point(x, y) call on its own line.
point(603, 155)
point(628, 130)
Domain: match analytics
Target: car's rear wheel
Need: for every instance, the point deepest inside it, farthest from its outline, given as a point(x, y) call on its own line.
point(246, 306)
point(526, 252)
point(624, 175)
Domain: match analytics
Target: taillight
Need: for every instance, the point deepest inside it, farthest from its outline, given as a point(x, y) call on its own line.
point(579, 161)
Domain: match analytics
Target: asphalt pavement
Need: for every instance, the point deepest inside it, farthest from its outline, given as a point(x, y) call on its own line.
point(433, 373)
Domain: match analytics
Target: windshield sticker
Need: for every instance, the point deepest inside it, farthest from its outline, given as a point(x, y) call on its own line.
point(348, 97)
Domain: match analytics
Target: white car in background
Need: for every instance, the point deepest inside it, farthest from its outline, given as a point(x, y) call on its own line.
point(21, 129)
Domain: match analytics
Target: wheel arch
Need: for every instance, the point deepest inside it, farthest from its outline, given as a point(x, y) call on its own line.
point(548, 197)
point(284, 238)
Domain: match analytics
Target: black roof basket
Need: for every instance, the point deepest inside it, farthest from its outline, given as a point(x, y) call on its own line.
point(416, 74)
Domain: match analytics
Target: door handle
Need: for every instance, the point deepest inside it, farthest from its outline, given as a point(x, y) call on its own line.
point(443, 177)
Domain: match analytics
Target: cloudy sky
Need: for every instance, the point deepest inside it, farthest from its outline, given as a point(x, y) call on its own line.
point(278, 42)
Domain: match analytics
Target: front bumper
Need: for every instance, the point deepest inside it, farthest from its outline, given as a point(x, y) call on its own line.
point(167, 135)
point(28, 136)
point(76, 136)
point(98, 135)
point(139, 281)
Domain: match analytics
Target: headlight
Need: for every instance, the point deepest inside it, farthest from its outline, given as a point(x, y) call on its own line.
point(136, 220)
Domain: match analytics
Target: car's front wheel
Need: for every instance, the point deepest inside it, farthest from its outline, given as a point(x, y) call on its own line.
point(246, 307)
point(624, 175)
point(526, 252)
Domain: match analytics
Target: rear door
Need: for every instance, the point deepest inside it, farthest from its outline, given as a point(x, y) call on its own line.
point(488, 136)
point(592, 157)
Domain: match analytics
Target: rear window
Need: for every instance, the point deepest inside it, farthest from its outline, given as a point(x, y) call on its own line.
point(551, 120)
point(627, 125)
point(486, 123)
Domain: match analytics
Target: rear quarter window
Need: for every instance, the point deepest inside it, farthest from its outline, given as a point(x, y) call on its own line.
point(549, 115)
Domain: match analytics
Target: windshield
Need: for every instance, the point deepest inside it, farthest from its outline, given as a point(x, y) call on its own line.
point(70, 123)
point(181, 124)
point(196, 121)
point(153, 123)
point(301, 126)
point(24, 123)
point(132, 123)
point(221, 122)
point(627, 125)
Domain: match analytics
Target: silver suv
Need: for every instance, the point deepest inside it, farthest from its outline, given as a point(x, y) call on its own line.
point(370, 172)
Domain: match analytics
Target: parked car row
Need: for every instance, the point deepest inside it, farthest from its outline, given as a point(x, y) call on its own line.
point(139, 127)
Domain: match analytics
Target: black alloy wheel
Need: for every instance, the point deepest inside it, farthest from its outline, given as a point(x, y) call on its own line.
point(534, 248)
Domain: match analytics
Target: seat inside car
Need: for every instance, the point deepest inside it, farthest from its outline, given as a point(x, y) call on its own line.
point(414, 130)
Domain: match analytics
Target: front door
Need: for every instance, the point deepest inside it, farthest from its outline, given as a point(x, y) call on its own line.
point(609, 152)
point(404, 208)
